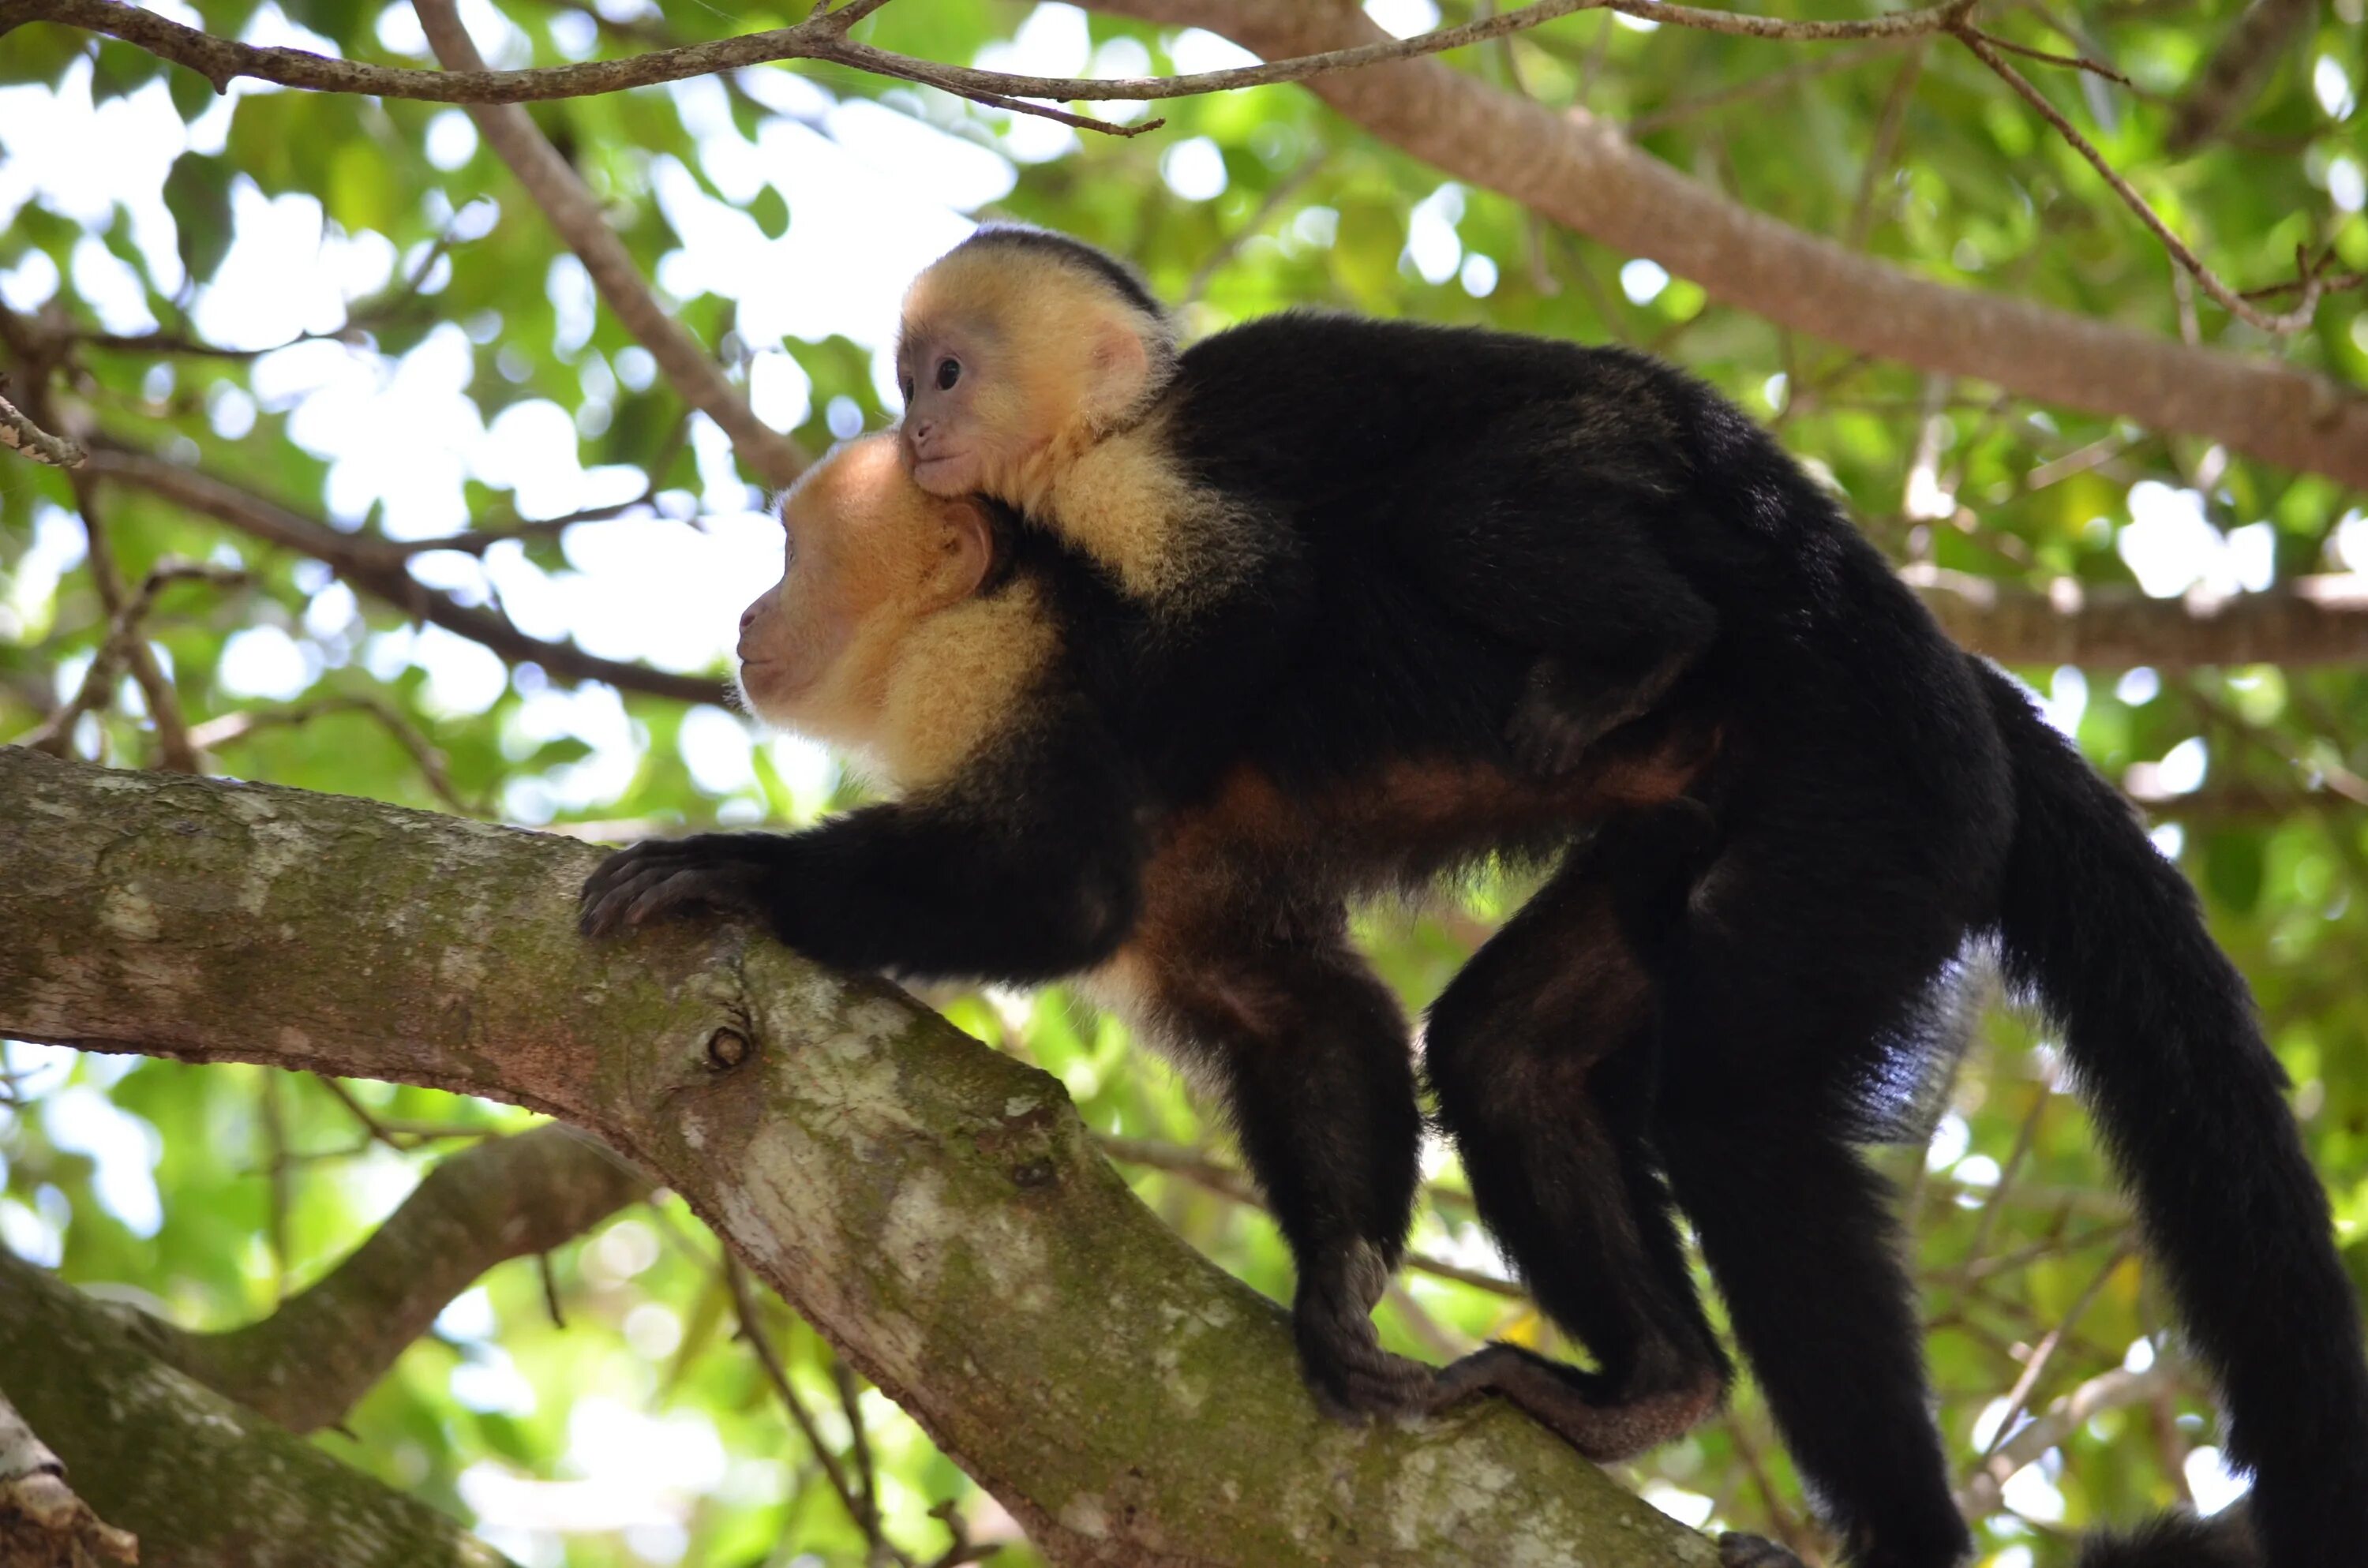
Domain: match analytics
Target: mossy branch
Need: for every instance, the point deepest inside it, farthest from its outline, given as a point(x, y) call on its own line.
point(936, 1210)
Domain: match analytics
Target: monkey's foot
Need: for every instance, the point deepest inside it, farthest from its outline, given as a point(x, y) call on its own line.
point(1577, 1407)
point(1752, 1552)
point(1352, 1377)
point(657, 876)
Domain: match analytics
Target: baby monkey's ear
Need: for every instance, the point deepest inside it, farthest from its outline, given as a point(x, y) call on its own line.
point(1119, 366)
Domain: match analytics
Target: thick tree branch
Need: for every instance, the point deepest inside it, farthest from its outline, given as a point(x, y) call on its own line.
point(2312, 620)
point(41, 1521)
point(936, 1210)
point(1581, 172)
point(201, 1482)
point(376, 568)
point(306, 1364)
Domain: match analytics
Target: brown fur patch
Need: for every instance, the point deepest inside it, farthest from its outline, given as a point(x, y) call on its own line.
point(1252, 866)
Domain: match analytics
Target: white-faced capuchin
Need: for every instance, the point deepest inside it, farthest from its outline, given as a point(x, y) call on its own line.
point(1297, 579)
point(1036, 834)
point(1303, 486)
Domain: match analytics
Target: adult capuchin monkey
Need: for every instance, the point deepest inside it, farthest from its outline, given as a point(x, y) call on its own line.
point(1045, 828)
point(1629, 539)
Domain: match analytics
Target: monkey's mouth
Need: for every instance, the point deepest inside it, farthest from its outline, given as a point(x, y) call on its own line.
point(940, 468)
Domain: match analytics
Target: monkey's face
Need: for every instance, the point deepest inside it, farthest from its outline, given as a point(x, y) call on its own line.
point(868, 557)
point(1003, 359)
point(960, 425)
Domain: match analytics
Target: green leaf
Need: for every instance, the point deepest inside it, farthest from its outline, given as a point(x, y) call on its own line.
point(196, 192)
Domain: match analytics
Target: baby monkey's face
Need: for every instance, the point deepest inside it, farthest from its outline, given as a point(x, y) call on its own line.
point(952, 443)
point(1010, 365)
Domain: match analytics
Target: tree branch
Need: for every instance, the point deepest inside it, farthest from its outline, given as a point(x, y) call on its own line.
point(55, 734)
point(42, 1521)
point(19, 434)
point(822, 38)
point(206, 1483)
point(567, 203)
point(936, 1210)
point(2311, 620)
point(376, 568)
point(2220, 91)
point(1578, 171)
point(2211, 282)
point(306, 1364)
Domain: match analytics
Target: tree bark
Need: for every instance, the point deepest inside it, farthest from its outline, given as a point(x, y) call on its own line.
point(306, 1364)
point(938, 1210)
point(201, 1482)
point(43, 1523)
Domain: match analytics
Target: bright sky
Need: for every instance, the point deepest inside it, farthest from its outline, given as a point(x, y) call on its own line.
point(875, 194)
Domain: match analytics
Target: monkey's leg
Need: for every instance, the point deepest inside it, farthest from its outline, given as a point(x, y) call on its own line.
point(1542, 1055)
point(1318, 1073)
point(1798, 954)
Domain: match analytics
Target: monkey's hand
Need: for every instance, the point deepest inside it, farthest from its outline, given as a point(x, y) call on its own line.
point(1352, 1378)
point(720, 871)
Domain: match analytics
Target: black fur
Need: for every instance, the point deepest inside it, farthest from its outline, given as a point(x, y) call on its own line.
point(1695, 1007)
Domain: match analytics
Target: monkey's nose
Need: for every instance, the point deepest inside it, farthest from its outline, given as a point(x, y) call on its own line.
point(921, 431)
point(747, 617)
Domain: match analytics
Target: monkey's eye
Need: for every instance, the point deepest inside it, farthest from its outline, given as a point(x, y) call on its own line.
point(905, 388)
point(948, 372)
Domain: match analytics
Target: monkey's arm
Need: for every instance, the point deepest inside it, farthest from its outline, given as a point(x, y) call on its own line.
point(1028, 868)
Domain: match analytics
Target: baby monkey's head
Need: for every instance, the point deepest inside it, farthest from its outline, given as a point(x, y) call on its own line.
point(1018, 349)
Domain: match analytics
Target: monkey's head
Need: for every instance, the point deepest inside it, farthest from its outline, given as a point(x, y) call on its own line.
point(870, 562)
point(1020, 348)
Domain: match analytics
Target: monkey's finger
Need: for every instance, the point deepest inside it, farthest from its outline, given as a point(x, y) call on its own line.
point(664, 895)
point(610, 908)
point(619, 865)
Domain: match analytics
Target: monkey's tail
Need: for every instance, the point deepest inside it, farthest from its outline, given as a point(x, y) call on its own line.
point(2163, 1042)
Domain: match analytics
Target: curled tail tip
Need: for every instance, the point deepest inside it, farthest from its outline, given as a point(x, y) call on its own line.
point(2179, 1541)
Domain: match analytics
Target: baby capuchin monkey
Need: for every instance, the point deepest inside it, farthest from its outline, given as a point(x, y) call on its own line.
point(1039, 371)
point(1325, 558)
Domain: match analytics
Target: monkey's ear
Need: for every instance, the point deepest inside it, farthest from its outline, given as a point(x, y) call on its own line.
point(1121, 366)
point(968, 552)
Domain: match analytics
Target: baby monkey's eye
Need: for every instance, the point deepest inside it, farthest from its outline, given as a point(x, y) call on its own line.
point(948, 372)
point(905, 388)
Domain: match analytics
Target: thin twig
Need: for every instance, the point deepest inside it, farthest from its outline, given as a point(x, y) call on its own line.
point(1228, 1183)
point(2285, 324)
point(752, 1330)
point(1886, 146)
point(2048, 57)
point(2044, 1351)
point(215, 733)
point(118, 648)
point(1761, 86)
point(19, 434)
point(370, 566)
point(824, 38)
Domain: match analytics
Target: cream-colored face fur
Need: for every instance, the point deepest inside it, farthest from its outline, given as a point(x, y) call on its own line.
point(1010, 362)
point(876, 639)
